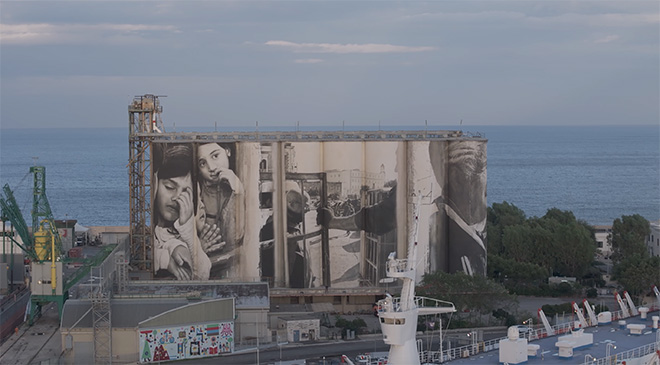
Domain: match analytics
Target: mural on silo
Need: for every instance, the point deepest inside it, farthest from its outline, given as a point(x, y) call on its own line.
point(315, 214)
point(335, 235)
point(453, 176)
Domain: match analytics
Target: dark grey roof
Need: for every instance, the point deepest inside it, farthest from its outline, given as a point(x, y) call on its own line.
point(125, 313)
point(246, 295)
point(299, 317)
point(221, 310)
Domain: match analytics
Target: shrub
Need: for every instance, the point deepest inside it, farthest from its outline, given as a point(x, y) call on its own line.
point(592, 293)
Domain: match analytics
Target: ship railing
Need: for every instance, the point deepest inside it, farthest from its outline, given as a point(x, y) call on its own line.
point(535, 334)
point(393, 304)
point(485, 346)
point(616, 315)
point(389, 304)
point(619, 358)
point(459, 352)
point(425, 302)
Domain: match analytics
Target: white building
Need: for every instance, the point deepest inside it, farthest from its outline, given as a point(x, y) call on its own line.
point(298, 328)
point(604, 240)
point(653, 240)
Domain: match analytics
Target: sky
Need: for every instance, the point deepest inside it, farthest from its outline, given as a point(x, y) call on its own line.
point(316, 63)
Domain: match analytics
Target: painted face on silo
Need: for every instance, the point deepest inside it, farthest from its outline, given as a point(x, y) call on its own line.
point(174, 186)
point(212, 159)
point(467, 179)
point(169, 195)
point(464, 185)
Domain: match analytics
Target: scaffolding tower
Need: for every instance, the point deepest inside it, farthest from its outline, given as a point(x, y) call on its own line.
point(121, 265)
point(144, 120)
point(102, 326)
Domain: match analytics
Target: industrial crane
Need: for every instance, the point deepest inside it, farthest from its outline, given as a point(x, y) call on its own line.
point(43, 247)
point(46, 243)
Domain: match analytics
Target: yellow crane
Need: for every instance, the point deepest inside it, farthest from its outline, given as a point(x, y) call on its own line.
point(43, 247)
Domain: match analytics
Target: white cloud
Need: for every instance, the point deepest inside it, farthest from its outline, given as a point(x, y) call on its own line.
point(308, 60)
point(346, 48)
point(44, 33)
point(608, 39)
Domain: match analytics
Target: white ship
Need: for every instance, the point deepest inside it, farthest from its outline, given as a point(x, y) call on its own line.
point(398, 316)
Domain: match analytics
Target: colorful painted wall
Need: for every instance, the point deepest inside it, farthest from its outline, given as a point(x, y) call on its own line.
point(185, 342)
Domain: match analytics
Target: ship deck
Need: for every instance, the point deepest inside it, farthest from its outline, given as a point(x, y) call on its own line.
point(603, 335)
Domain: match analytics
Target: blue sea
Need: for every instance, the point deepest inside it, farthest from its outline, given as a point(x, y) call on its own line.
point(598, 172)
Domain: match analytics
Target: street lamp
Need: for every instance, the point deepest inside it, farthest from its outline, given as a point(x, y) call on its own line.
point(530, 323)
point(279, 344)
point(588, 357)
point(607, 349)
point(256, 325)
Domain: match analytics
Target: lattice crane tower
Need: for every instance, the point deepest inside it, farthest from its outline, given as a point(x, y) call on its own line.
point(143, 122)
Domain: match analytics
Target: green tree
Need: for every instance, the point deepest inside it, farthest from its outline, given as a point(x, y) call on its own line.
point(523, 249)
point(501, 267)
point(354, 325)
point(551, 310)
point(638, 273)
point(574, 243)
point(501, 216)
point(593, 277)
point(468, 293)
point(505, 214)
point(561, 216)
point(557, 241)
point(628, 237)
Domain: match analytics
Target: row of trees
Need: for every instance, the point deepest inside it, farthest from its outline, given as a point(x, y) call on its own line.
point(523, 252)
point(633, 267)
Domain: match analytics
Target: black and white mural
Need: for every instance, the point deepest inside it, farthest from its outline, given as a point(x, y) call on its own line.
point(315, 214)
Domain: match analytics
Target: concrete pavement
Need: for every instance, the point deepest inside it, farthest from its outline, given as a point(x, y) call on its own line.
point(37, 344)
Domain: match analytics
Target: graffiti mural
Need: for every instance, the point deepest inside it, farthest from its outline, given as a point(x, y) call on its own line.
point(186, 342)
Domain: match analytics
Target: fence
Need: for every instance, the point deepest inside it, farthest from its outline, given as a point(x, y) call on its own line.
point(490, 345)
point(630, 354)
point(103, 274)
